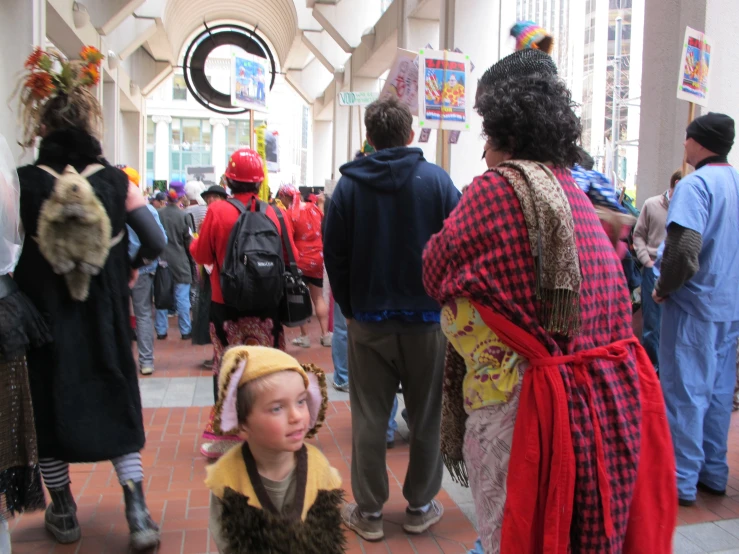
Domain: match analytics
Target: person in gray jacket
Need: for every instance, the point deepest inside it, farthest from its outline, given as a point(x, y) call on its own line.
point(649, 233)
point(177, 256)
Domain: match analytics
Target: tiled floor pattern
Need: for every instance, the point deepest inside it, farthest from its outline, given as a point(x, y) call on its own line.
point(177, 401)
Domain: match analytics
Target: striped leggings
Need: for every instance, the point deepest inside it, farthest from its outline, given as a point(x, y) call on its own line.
point(56, 473)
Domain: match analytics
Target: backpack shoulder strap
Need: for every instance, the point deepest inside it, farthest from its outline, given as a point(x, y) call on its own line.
point(91, 169)
point(286, 242)
point(237, 204)
point(87, 172)
point(49, 171)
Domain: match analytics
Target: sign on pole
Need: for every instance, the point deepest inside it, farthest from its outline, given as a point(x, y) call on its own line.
point(249, 82)
point(442, 92)
point(695, 66)
point(402, 81)
point(357, 98)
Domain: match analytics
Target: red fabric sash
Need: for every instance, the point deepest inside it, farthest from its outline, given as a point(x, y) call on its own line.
point(541, 472)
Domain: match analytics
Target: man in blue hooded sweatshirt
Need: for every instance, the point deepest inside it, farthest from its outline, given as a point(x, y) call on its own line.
point(385, 208)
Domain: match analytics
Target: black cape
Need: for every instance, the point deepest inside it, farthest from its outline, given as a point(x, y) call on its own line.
point(84, 385)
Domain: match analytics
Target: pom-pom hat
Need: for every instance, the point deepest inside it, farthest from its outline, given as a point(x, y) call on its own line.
point(529, 35)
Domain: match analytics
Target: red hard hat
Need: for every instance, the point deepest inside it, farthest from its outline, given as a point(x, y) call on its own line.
point(245, 166)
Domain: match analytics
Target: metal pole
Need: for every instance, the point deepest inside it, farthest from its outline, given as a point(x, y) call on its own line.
point(615, 116)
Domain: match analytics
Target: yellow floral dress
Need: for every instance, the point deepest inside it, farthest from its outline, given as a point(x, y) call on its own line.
point(491, 390)
point(492, 367)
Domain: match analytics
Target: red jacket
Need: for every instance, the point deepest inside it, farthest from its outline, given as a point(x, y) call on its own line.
point(306, 219)
point(210, 246)
point(541, 472)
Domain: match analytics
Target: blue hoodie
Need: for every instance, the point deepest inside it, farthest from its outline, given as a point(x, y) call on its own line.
point(385, 208)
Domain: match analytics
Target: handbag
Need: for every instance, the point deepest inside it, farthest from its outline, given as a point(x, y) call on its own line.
point(164, 288)
point(295, 307)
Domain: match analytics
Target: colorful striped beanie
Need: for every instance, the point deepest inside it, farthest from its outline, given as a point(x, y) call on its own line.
point(529, 35)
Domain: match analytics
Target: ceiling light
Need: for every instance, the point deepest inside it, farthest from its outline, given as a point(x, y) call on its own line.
point(80, 15)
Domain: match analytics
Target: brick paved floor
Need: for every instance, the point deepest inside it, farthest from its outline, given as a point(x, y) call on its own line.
point(175, 471)
point(179, 502)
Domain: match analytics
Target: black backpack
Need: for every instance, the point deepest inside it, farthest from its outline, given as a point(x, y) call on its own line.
point(253, 269)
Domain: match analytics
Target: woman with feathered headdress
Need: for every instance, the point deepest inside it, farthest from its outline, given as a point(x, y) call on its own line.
point(86, 399)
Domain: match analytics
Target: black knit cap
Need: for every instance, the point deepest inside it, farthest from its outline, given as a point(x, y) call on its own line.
point(714, 132)
point(518, 64)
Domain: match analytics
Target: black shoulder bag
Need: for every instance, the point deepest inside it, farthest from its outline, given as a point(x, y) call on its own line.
point(296, 307)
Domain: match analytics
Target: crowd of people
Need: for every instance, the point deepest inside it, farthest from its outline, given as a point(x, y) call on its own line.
point(502, 313)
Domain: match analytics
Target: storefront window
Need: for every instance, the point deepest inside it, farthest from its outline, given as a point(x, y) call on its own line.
point(190, 135)
point(205, 135)
point(191, 146)
point(176, 134)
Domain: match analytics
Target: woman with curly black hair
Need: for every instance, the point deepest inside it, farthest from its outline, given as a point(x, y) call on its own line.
point(551, 408)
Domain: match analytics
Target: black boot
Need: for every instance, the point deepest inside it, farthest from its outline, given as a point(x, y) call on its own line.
point(61, 516)
point(144, 532)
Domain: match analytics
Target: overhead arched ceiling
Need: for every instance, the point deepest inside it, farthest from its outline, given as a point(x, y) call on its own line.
point(277, 20)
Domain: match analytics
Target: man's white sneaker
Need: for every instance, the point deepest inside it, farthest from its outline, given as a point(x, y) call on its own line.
point(303, 341)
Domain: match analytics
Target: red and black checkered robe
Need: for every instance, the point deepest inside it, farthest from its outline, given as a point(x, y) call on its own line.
point(483, 253)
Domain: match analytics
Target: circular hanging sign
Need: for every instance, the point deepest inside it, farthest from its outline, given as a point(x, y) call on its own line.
point(203, 45)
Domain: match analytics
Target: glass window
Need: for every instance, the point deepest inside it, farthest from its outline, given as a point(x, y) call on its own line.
point(244, 136)
point(205, 135)
point(190, 135)
point(176, 134)
point(149, 168)
point(237, 136)
point(231, 134)
point(179, 88)
point(151, 132)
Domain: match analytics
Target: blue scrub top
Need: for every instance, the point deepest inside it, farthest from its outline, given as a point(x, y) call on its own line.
point(707, 201)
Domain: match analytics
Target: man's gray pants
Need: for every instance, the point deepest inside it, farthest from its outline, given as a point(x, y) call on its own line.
point(141, 294)
point(381, 356)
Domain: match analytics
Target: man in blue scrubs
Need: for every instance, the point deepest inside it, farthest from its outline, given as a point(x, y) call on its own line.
point(700, 321)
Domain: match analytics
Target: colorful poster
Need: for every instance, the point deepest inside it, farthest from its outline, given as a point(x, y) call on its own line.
point(442, 94)
point(402, 81)
point(249, 82)
point(695, 65)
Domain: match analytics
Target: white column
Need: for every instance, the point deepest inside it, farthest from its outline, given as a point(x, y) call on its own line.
point(636, 52)
point(22, 26)
point(457, 19)
point(417, 33)
point(359, 132)
point(576, 49)
point(321, 148)
point(129, 147)
point(111, 127)
point(218, 147)
point(340, 127)
point(663, 116)
point(600, 57)
point(161, 149)
point(722, 19)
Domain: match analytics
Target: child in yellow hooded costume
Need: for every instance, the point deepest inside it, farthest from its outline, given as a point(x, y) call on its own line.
point(273, 493)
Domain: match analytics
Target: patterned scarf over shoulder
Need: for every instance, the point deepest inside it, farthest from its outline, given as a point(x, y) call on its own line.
point(548, 217)
point(536, 254)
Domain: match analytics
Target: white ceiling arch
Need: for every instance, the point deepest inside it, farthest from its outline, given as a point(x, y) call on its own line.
point(277, 20)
